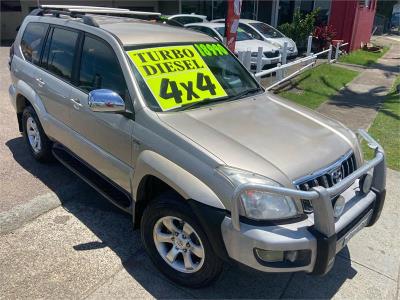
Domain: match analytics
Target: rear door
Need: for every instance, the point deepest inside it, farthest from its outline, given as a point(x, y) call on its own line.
point(32, 43)
point(53, 78)
point(104, 140)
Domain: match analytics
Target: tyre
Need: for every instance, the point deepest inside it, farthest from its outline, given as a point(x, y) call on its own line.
point(177, 244)
point(38, 143)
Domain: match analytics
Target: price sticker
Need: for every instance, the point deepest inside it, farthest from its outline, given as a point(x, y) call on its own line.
point(176, 75)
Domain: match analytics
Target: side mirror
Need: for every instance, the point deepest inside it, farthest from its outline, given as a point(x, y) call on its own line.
point(104, 100)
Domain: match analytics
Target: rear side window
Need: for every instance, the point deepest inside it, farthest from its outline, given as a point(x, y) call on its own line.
point(100, 68)
point(32, 41)
point(60, 53)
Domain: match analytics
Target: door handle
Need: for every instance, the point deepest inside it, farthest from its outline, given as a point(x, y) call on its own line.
point(76, 103)
point(40, 82)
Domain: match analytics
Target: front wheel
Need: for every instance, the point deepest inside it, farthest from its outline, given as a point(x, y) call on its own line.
point(177, 244)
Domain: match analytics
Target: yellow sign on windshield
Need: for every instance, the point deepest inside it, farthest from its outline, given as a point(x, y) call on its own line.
point(176, 75)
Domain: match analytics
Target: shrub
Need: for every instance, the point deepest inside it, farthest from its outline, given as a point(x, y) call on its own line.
point(323, 36)
point(301, 27)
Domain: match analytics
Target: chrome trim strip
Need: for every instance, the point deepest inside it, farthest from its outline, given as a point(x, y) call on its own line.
point(324, 170)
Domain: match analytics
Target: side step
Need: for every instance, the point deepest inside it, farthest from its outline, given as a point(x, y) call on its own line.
point(113, 193)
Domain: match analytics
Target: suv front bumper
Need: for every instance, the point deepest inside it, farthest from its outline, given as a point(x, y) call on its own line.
point(310, 244)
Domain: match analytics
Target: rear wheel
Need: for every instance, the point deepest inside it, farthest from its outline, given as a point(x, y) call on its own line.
point(177, 244)
point(37, 141)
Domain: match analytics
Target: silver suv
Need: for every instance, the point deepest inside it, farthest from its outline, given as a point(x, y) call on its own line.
point(168, 125)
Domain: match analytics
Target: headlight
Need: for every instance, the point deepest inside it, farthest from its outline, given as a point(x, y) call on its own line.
point(277, 45)
point(258, 204)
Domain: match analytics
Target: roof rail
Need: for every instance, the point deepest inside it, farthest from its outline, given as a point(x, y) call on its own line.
point(88, 20)
point(116, 11)
point(100, 10)
point(79, 7)
point(80, 11)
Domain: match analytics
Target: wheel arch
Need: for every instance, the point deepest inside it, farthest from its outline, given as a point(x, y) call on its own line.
point(155, 174)
point(27, 96)
point(20, 104)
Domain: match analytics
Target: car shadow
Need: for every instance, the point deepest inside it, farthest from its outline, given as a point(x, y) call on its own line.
point(114, 230)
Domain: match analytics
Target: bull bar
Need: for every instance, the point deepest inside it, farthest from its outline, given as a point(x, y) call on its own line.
point(320, 197)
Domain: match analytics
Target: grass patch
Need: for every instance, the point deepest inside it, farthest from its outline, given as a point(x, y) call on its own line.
point(386, 128)
point(317, 85)
point(362, 57)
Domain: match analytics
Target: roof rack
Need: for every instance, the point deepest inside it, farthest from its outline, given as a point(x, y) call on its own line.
point(80, 11)
point(116, 12)
point(100, 10)
point(66, 7)
point(88, 20)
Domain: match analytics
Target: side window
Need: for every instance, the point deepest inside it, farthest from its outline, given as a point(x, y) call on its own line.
point(100, 68)
point(60, 53)
point(250, 31)
point(32, 41)
point(206, 30)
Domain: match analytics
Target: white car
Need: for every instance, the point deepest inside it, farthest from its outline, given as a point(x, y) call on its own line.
point(187, 18)
point(244, 42)
point(264, 32)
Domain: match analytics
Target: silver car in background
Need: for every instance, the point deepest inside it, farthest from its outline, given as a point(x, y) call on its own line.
point(264, 32)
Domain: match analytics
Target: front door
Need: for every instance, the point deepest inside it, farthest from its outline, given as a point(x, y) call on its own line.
point(104, 140)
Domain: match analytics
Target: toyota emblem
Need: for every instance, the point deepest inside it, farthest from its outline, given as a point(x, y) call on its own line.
point(336, 175)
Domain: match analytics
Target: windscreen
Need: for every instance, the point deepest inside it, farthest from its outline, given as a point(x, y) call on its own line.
point(267, 30)
point(175, 76)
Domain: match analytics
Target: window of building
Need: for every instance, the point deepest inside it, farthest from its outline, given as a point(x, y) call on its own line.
point(14, 5)
point(199, 7)
point(32, 41)
point(100, 68)
point(306, 6)
point(286, 10)
point(60, 53)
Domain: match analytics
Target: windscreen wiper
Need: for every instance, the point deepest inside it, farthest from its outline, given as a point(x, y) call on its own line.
point(246, 93)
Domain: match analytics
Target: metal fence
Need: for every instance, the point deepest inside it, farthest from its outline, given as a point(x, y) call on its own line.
point(280, 71)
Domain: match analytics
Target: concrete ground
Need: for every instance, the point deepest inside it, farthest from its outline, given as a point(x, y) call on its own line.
point(357, 104)
point(60, 239)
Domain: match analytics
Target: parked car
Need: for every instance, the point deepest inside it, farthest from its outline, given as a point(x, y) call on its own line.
point(244, 42)
point(170, 127)
point(187, 18)
point(264, 32)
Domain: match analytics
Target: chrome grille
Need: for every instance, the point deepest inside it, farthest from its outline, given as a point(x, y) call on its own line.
point(326, 177)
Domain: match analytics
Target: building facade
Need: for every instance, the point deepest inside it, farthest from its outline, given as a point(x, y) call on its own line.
point(273, 12)
point(352, 19)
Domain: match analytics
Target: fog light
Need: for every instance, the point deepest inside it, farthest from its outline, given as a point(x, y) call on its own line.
point(339, 206)
point(366, 183)
point(269, 255)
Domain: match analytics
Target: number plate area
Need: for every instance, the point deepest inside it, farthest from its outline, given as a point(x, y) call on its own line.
point(340, 244)
point(178, 75)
